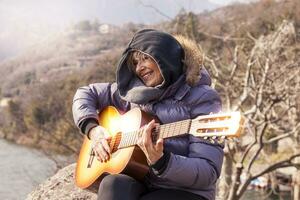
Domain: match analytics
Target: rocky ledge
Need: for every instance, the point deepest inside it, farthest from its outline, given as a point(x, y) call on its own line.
point(62, 186)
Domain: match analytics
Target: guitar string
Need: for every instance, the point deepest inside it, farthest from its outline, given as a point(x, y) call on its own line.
point(119, 137)
point(126, 143)
point(174, 129)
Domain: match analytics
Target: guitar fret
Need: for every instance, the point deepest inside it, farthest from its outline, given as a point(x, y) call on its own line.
point(180, 126)
point(168, 130)
point(121, 143)
point(130, 138)
point(133, 138)
point(162, 130)
point(170, 133)
point(136, 137)
point(126, 139)
point(174, 129)
point(177, 130)
point(160, 135)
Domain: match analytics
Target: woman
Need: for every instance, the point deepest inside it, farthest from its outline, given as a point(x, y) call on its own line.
point(163, 76)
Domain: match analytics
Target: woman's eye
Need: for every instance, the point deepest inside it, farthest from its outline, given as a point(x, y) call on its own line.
point(146, 57)
point(135, 62)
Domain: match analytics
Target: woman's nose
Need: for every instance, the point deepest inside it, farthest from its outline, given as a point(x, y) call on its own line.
point(140, 66)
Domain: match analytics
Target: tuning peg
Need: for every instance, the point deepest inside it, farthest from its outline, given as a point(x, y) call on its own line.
point(205, 138)
point(221, 140)
point(212, 140)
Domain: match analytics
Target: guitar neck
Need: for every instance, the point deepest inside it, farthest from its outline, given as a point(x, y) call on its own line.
point(162, 131)
point(215, 125)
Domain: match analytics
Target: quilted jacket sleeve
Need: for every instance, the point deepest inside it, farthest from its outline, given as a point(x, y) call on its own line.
point(95, 97)
point(202, 167)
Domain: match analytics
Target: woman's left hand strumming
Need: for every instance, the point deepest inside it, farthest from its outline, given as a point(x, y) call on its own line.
point(152, 151)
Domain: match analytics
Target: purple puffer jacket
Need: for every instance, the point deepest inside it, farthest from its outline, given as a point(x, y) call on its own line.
point(194, 164)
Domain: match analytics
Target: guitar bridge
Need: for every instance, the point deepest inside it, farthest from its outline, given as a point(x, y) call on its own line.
point(91, 159)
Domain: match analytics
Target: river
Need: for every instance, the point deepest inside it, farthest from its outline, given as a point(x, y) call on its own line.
point(21, 170)
point(259, 195)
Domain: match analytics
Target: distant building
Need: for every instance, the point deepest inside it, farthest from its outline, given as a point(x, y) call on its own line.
point(104, 28)
point(4, 102)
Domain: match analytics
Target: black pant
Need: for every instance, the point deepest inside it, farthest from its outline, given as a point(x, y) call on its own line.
point(123, 187)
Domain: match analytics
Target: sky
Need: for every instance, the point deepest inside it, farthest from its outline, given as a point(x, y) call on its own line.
point(23, 22)
point(64, 11)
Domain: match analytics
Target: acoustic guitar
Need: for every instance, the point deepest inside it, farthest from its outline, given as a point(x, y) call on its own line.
point(128, 158)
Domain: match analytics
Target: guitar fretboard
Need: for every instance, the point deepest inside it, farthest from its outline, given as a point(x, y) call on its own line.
point(162, 131)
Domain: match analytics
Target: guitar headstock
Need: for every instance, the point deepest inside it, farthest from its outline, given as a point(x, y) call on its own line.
point(218, 125)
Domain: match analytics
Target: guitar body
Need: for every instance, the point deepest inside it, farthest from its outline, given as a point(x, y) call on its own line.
point(130, 160)
point(125, 130)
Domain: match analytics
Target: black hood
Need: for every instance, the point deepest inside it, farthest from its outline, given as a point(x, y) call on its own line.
point(168, 54)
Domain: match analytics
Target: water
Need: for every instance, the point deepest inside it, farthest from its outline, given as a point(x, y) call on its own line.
point(21, 170)
point(259, 195)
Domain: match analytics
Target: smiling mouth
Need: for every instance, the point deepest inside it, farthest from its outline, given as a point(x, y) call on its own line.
point(146, 76)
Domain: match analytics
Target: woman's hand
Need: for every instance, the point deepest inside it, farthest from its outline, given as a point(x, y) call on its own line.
point(99, 136)
point(152, 151)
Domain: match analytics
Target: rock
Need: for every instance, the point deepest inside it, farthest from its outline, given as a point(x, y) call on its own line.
point(62, 186)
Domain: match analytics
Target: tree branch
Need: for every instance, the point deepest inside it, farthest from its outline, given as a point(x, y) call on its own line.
point(281, 164)
point(155, 9)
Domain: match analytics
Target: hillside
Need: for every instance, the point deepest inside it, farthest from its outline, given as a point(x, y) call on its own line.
point(59, 56)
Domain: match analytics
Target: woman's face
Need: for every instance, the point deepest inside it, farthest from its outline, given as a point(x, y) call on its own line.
point(147, 70)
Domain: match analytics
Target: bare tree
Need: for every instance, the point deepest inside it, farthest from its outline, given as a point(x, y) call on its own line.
point(264, 84)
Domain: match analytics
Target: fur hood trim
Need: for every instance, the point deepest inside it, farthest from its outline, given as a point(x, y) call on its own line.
point(193, 59)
